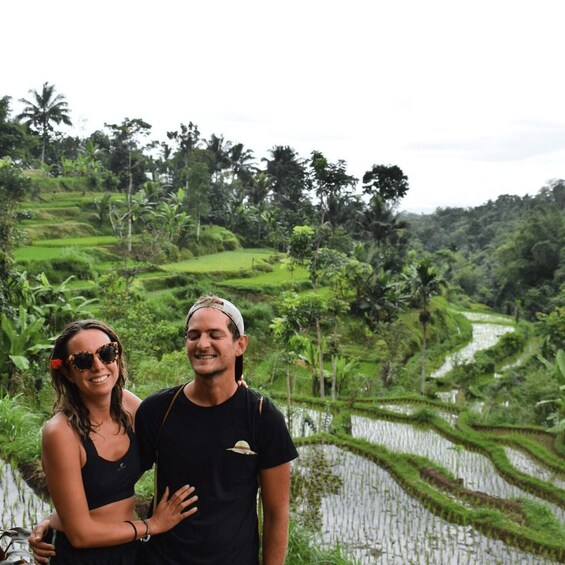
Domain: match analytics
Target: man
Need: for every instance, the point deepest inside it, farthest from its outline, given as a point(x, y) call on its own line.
point(226, 441)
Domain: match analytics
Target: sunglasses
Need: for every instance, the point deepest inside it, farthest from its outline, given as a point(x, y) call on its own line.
point(84, 361)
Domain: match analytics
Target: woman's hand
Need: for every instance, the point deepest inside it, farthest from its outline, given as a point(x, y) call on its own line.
point(42, 551)
point(171, 511)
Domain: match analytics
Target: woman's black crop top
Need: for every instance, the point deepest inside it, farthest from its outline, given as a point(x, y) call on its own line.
point(109, 481)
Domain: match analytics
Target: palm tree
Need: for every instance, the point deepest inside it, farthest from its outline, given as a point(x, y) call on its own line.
point(287, 174)
point(219, 152)
point(424, 283)
point(242, 163)
point(45, 109)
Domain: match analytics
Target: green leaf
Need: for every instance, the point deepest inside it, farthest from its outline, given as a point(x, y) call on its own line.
point(20, 362)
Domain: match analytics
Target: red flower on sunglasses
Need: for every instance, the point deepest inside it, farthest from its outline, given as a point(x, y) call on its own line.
point(56, 363)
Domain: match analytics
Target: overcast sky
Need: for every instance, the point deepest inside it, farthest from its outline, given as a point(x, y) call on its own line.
point(466, 97)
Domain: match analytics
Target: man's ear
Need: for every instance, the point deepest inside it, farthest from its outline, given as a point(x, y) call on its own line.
point(242, 342)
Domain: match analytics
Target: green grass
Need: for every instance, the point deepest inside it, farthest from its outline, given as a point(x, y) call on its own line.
point(279, 276)
point(34, 253)
point(20, 435)
point(225, 262)
point(53, 248)
point(90, 241)
point(153, 275)
point(52, 214)
point(60, 199)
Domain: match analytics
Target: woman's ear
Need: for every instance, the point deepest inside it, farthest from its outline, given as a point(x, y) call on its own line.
point(68, 374)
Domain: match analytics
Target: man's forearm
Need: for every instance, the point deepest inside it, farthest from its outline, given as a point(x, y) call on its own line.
point(275, 539)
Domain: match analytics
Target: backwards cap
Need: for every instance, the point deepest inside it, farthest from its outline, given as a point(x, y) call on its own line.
point(230, 311)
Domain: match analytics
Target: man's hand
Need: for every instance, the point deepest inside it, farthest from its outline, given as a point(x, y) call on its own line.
point(42, 551)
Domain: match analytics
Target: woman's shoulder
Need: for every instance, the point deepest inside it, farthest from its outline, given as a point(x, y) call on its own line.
point(56, 422)
point(130, 401)
point(57, 428)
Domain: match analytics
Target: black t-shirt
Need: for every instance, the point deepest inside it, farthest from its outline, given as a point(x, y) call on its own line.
point(220, 451)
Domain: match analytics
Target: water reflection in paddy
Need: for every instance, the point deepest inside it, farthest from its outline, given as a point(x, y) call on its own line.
point(376, 522)
point(484, 337)
point(527, 465)
point(19, 504)
point(475, 469)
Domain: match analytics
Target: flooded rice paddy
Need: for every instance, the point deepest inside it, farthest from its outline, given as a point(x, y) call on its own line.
point(19, 506)
point(530, 466)
point(476, 470)
point(376, 522)
point(487, 330)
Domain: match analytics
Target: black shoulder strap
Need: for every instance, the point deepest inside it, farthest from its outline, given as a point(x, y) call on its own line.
point(175, 396)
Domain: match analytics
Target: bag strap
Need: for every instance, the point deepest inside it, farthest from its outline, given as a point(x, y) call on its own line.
point(179, 390)
point(175, 396)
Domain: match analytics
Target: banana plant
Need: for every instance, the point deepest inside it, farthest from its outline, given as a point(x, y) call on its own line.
point(557, 369)
point(56, 303)
point(11, 554)
point(21, 339)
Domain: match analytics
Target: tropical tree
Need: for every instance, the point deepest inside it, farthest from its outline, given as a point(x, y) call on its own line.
point(551, 328)
point(288, 175)
point(296, 315)
point(331, 266)
point(285, 333)
point(242, 164)
point(526, 265)
point(42, 111)
point(259, 189)
point(56, 304)
point(274, 229)
point(13, 189)
point(424, 282)
point(127, 136)
point(302, 248)
point(219, 151)
point(387, 182)
point(13, 137)
point(332, 185)
point(181, 155)
point(198, 190)
point(385, 235)
point(380, 297)
point(173, 219)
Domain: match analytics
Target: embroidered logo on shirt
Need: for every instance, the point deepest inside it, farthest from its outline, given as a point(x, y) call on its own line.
point(241, 447)
point(121, 466)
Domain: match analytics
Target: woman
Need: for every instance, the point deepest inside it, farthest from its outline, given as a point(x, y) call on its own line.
point(90, 457)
